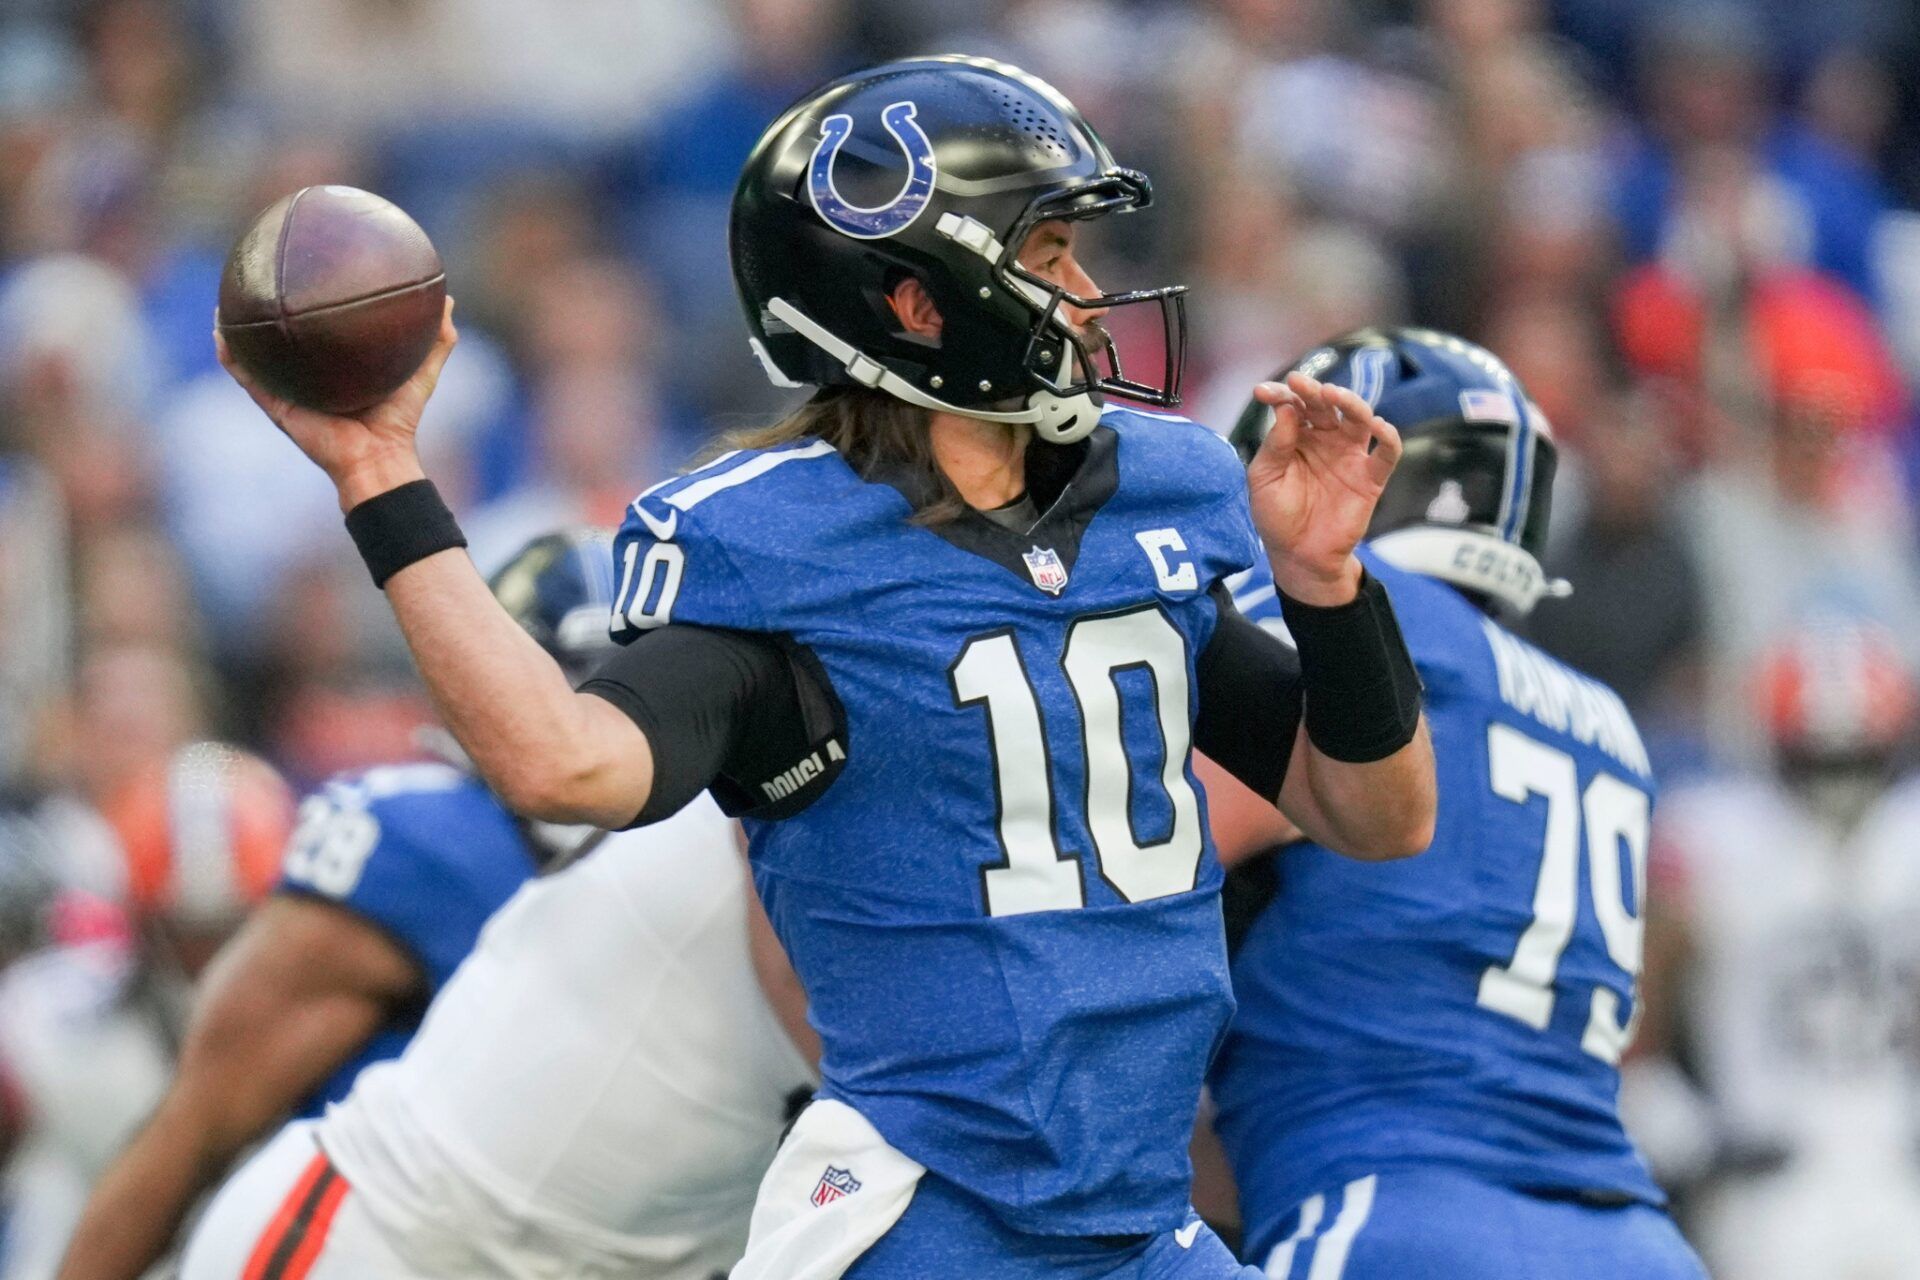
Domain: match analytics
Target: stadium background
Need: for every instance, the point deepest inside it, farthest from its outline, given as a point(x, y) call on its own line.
point(1691, 228)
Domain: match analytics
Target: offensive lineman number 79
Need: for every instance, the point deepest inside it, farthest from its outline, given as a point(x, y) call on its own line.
point(1613, 813)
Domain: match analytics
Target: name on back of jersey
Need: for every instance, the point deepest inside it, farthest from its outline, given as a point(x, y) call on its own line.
point(1565, 701)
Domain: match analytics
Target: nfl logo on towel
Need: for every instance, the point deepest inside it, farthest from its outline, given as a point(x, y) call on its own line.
point(1048, 573)
point(833, 1184)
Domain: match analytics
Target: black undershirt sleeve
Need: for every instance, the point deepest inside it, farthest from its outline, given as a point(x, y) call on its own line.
point(1250, 700)
point(751, 717)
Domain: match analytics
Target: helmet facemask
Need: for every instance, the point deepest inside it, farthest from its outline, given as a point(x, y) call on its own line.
point(1086, 362)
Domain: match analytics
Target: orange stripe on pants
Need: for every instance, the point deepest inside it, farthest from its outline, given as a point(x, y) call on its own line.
point(315, 1240)
point(292, 1241)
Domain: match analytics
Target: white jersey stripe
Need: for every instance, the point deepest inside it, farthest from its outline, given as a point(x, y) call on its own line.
point(1280, 1261)
point(685, 476)
point(1330, 1255)
point(698, 492)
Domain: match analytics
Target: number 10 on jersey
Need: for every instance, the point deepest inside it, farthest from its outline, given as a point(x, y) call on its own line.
point(1037, 875)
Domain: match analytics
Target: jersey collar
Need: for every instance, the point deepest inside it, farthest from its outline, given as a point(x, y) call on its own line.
point(1071, 483)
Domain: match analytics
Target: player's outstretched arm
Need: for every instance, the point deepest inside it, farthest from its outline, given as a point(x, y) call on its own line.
point(295, 995)
point(1361, 780)
point(548, 752)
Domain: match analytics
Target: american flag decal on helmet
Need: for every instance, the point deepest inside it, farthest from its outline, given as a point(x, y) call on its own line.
point(834, 1184)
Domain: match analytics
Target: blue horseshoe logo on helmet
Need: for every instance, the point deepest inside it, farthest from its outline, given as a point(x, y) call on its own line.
point(897, 214)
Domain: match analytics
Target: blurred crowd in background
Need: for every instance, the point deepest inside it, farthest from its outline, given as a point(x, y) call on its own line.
point(1690, 227)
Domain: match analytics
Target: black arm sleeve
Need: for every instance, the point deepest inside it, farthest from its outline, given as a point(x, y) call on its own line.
point(1250, 700)
point(750, 717)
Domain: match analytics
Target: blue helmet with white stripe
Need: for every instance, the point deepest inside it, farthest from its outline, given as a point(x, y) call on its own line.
point(1470, 498)
point(559, 588)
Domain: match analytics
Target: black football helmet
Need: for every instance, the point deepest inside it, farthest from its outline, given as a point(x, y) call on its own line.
point(559, 588)
point(1469, 501)
point(937, 168)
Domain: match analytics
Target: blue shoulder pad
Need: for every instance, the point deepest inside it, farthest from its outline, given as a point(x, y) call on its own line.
point(423, 852)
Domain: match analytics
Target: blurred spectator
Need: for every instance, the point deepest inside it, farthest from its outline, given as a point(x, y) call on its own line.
point(149, 160)
point(531, 226)
point(1706, 75)
point(35, 662)
point(1794, 401)
point(246, 509)
point(677, 185)
point(1275, 287)
point(71, 326)
point(330, 686)
point(359, 65)
point(784, 48)
point(131, 589)
point(1358, 141)
point(598, 431)
point(1849, 104)
point(1518, 213)
point(41, 79)
point(1794, 982)
point(1812, 524)
point(1729, 315)
point(1798, 32)
point(241, 504)
point(135, 705)
point(1636, 616)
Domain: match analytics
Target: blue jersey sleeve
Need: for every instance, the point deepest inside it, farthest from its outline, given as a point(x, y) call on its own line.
point(676, 566)
point(421, 852)
point(673, 570)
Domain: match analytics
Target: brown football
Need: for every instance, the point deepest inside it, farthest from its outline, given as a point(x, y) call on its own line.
point(332, 298)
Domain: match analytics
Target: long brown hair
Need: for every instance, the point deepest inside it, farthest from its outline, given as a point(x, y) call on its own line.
point(871, 430)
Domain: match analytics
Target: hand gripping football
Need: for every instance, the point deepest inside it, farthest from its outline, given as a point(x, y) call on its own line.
point(332, 298)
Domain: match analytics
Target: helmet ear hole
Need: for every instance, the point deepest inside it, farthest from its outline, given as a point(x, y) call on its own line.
point(908, 308)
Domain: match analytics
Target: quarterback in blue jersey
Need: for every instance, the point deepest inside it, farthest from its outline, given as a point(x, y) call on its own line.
point(1422, 1076)
point(948, 638)
point(387, 879)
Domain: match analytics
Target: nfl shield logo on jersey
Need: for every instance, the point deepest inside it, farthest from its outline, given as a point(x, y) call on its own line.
point(834, 1184)
point(1048, 573)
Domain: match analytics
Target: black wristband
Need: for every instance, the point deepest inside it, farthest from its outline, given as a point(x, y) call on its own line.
point(1362, 691)
point(396, 528)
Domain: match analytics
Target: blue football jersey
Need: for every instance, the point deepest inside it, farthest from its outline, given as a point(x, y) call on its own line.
point(1467, 1007)
point(1005, 906)
point(424, 853)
